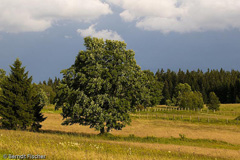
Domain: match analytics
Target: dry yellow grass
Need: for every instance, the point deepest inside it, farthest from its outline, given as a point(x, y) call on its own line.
point(60, 146)
point(157, 128)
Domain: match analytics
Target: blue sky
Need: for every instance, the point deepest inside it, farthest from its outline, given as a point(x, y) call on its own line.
point(186, 34)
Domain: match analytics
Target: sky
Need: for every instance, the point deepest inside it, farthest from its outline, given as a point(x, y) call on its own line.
point(170, 34)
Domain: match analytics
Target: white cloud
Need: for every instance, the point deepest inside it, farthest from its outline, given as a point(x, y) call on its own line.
point(38, 15)
point(105, 34)
point(181, 15)
point(68, 37)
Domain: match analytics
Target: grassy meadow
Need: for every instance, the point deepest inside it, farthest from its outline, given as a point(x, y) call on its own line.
point(160, 132)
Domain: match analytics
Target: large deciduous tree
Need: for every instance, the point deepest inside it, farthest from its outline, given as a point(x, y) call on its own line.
point(101, 87)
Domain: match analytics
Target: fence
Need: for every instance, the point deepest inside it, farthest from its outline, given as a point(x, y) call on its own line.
point(203, 118)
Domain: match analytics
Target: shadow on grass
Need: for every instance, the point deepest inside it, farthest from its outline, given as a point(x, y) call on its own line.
point(88, 135)
point(182, 140)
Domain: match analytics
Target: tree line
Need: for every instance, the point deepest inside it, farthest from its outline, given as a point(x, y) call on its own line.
point(225, 84)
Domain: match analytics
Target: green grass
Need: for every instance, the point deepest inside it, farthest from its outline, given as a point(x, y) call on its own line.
point(56, 144)
point(182, 140)
point(51, 109)
point(70, 146)
point(226, 115)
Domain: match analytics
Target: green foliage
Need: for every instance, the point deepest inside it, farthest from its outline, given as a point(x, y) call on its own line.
point(225, 84)
point(191, 100)
point(140, 107)
point(18, 102)
point(39, 101)
point(49, 93)
point(101, 87)
point(170, 102)
point(182, 88)
point(44, 100)
point(214, 102)
point(154, 88)
point(2, 76)
point(186, 98)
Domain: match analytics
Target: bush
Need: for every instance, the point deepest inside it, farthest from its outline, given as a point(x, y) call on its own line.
point(191, 100)
point(214, 102)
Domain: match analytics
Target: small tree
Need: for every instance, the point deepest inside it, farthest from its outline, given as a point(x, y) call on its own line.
point(186, 98)
point(214, 102)
point(101, 87)
point(39, 100)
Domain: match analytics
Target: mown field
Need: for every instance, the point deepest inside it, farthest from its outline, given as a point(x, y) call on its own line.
point(157, 133)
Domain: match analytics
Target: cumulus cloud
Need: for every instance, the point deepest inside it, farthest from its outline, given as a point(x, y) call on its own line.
point(105, 34)
point(38, 15)
point(181, 15)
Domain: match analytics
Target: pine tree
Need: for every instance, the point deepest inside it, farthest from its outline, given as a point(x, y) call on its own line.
point(17, 102)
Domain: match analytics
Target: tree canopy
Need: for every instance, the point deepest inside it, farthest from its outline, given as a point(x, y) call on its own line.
point(101, 87)
point(214, 102)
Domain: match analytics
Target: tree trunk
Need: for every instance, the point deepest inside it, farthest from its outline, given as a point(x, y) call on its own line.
point(102, 130)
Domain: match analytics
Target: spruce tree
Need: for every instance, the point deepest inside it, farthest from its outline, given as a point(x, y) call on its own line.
point(18, 105)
